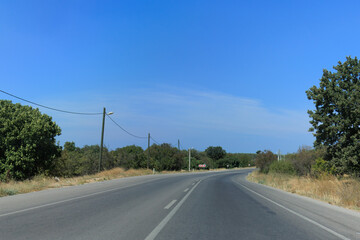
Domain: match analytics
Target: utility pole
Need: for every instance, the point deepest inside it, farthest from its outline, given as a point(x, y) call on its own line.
point(102, 139)
point(148, 159)
point(279, 155)
point(179, 144)
point(189, 157)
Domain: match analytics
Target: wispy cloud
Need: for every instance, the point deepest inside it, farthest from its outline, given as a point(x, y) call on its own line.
point(206, 118)
point(215, 111)
point(199, 118)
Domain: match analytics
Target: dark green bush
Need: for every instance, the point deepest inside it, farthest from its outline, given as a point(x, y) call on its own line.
point(264, 159)
point(322, 167)
point(284, 167)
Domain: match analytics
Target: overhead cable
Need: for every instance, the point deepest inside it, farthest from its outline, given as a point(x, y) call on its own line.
point(79, 113)
point(181, 147)
point(154, 140)
point(58, 110)
point(123, 128)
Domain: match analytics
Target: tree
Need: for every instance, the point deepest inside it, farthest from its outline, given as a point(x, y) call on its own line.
point(89, 161)
point(264, 159)
point(162, 157)
point(304, 159)
point(215, 153)
point(129, 157)
point(232, 160)
point(335, 120)
point(70, 147)
point(27, 141)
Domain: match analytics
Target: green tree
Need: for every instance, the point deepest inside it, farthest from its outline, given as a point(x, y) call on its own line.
point(68, 164)
point(215, 153)
point(232, 160)
point(70, 147)
point(75, 161)
point(90, 159)
point(264, 159)
point(164, 157)
point(27, 141)
point(129, 157)
point(335, 120)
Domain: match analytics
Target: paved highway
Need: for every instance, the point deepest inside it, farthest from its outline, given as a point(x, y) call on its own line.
point(213, 205)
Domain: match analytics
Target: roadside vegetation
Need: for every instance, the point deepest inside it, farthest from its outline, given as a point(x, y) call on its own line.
point(344, 192)
point(305, 173)
point(31, 160)
point(331, 170)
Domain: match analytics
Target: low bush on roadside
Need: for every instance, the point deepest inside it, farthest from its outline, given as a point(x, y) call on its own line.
point(304, 159)
point(284, 167)
point(322, 168)
point(264, 159)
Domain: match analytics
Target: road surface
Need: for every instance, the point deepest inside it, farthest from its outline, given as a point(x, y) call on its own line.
point(212, 205)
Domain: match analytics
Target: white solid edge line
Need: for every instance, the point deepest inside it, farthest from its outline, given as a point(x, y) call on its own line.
point(162, 224)
point(170, 204)
point(299, 215)
point(186, 190)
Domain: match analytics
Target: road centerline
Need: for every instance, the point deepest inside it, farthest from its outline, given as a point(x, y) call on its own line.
point(162, 224)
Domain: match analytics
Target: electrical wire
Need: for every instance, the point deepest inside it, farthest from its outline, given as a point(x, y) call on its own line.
point(182, 147)
point(81, 113)
point(54, 109)
point(154, 140)
point(123, 128)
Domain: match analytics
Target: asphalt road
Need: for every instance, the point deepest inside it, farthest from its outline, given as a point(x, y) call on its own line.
point(214, 205)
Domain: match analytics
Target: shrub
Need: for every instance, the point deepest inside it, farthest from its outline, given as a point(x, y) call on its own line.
point(321, 168)
point(285, 167)
point(129, 157)
point(264, 159)
point(304, 159)
point(236, 160)
point(75, 161)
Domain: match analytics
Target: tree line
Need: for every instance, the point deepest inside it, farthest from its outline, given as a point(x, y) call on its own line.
point(75, 161)
point(28, 148)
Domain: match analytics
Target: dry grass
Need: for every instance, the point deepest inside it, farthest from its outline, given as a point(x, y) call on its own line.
point(343, 192)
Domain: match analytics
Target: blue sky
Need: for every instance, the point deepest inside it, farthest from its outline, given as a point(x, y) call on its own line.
point(210, 73)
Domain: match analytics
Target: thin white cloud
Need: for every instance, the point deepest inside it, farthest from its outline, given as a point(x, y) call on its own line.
point(198, 118)
point(215, 111)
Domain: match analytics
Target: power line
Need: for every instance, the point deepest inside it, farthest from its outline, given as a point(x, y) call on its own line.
point(154, 140)
point(124, 129)
point(181, 147)
point(54, 109)
point(80, 113)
